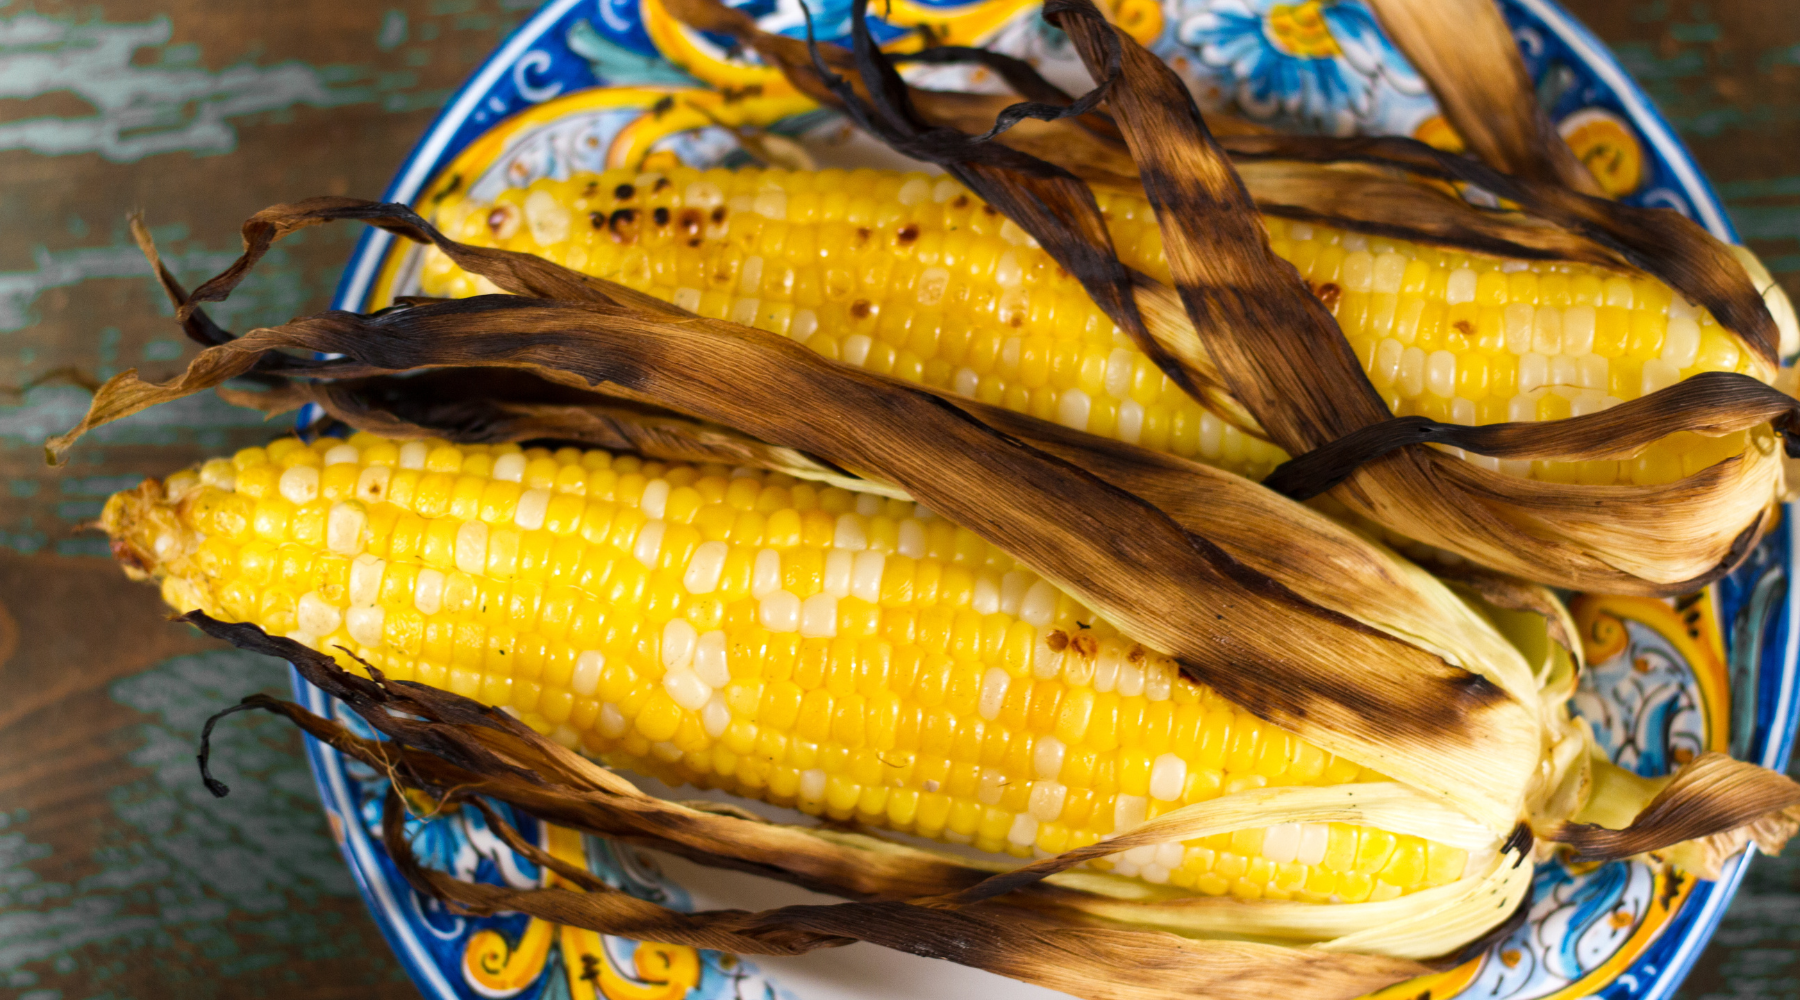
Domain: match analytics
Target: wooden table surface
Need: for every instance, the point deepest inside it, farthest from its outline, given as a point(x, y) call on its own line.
point(120, 878)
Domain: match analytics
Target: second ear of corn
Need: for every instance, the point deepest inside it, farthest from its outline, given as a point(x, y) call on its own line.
point(849, 655)
point(914, 276)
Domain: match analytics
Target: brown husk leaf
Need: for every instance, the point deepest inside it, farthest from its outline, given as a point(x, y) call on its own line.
point(1313, 671)
point(439, 740)
point(1466, 53)
point(1286, 361)
point(1729, 802)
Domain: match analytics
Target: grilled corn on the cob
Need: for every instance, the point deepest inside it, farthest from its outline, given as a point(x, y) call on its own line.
point(914, 276)
point(847, 654)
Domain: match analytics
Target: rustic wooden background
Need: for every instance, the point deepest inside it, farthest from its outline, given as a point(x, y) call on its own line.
point(119, 877)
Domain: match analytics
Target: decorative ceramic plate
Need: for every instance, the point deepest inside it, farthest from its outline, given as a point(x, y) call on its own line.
point(592, 84)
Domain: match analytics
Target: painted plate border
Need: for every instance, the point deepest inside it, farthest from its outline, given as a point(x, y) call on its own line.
point(518, 75)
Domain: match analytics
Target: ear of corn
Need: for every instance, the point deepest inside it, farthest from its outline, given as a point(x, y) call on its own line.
point(847, 654)
point(913, 276)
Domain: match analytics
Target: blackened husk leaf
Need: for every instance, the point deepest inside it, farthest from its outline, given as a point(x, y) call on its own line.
point(470, 750)
point(1286, 361)
point(485, 406)
point(1466, 53)
point(1324, 676)
point(1290, 363)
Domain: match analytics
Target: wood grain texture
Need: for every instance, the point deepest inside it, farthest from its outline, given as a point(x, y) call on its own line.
point(119, 877)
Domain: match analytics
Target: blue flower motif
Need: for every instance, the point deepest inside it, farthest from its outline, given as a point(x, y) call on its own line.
point(1321, 64)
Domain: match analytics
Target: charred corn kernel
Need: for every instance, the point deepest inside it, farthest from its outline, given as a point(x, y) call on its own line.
point(844, 654)
point(909, 289)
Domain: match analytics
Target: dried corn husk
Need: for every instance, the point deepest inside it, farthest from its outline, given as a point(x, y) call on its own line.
point(1257, 345)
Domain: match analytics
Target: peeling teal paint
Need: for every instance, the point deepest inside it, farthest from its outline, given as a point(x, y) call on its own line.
point(231, 878)
point(172, 103)
point(393, 31)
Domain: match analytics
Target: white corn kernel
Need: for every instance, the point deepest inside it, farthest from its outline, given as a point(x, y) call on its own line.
point(1440, 374)
point(655, 499)
point(1047, 757)
point(1310, 848)
point(300, 484)
point(471, 547)
point(412, 454)
point(342, 454)
point(705, 568)
point(993, 693)
point(372, 484)
point(547, 219)
point(1546, 331)
point(1281, 843)
point(1168, 777)
point(529, 512)
point(911, 541)
point(1130, 427)
point(812, 784)
point(586, 677)
point(688, 690)
point(1159, 680)
point(1012, 591)
point(1039, 604)
point(510, 467)
point(1592, 371)
point(818, 617)
point(1047, 798)
point(312, 614)
point(1118, 372)
point(1107, 664)
point(365, 579)
point(1564, 370)
point(1131, 678)
point(647, 548)
point(806, 323)
point(1534, 371)
point(1390, 268)
point(850, 534)
point(678, 639)
point(779, 611)
point(765, 576)
point(428, 591)
point(365, 624)
point(715, 717)
point(1460, 287)
point(856, 349)
point(865, 575)
point(1024, 830)
point(1170, 854)
point(1387, 362)
point(965, 381)
point(1141, 855)
point(344, 527)
point(1412, 372)
point(1681, 343)
point(1129, 812)
point(1658, 375)
point(985, 600)
point(711, 663)
point(1073, 409)
point(613, 723)
point(870, 504)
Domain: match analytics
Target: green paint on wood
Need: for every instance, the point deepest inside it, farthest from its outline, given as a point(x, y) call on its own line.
point(216, 891)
